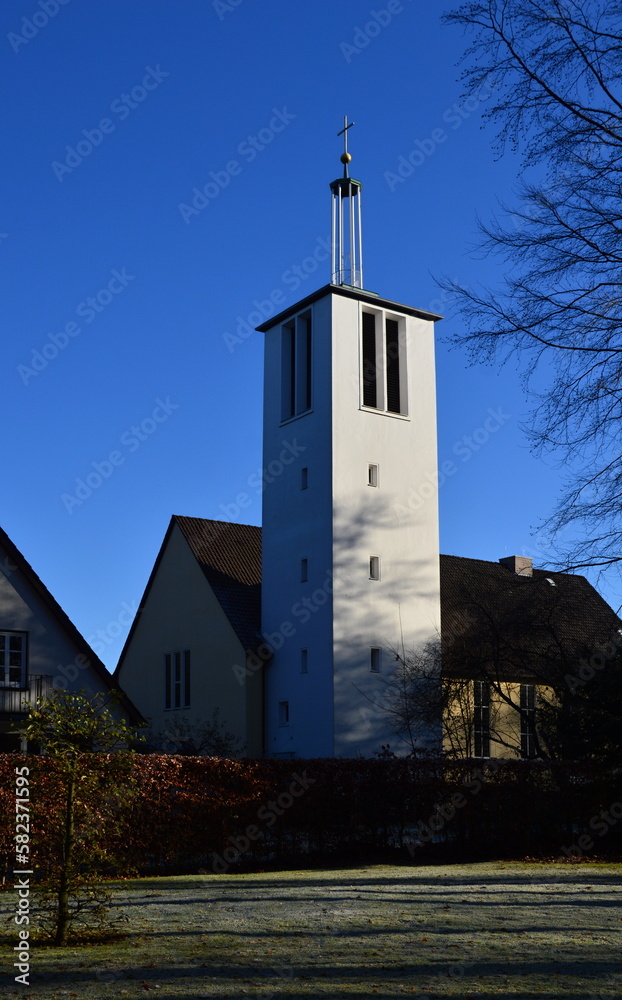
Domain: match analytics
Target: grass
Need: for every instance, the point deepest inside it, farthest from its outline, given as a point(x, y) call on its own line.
point(495, 929)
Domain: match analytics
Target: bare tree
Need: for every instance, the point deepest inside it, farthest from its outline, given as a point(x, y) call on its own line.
point(555, 68)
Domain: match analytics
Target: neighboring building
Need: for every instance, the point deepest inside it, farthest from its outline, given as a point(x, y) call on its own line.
point(40, 649)
point(186, 653)
point(512, 636)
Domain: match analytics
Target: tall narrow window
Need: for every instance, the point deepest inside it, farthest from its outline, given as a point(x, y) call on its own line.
point(177, 679)
point(370, 374)
point(304, 570)
point(374, 567)
point(372, 475)
point(304, 661)
point(527, 719)
point(304, 478)
point(375, 659)
point(481, 718)
point(296, 366)
point(393, 366)
point(283, 713)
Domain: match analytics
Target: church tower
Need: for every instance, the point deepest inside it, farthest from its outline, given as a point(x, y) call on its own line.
point(350, 512)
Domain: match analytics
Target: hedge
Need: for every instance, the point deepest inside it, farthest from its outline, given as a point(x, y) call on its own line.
point(189, 814)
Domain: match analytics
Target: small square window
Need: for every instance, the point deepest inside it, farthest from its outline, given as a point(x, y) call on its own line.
point(304, 570)
point(304, 478)
point(372, 475)
point(375, 659)
point(374, 567)
point(304, 661)
point(283, 713)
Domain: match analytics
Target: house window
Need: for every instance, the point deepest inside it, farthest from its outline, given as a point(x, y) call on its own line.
point(372, 475)
point(375, 659)
point(527, 719)
point(383, 364)
point(374, 567)
point(13, 659)
point(283, 713)
point(177, 679)
point(304, 570)
point(304, 478)
point(296, 366)
point(304, 661)
point(481, 718)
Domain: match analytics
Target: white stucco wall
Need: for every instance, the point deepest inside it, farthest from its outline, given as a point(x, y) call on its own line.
point(337, 524)
point(181, 612)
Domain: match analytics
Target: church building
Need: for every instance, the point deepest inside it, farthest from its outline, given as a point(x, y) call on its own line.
point(291, 629)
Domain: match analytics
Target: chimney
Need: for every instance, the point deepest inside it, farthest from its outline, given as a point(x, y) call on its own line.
point(521, 565)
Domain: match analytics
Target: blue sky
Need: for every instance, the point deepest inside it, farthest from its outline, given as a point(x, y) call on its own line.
point(127, 352)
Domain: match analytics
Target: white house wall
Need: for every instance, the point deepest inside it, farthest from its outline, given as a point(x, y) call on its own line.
point(181, 612)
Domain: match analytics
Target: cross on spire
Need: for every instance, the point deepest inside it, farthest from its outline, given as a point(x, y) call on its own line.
point(345, 156)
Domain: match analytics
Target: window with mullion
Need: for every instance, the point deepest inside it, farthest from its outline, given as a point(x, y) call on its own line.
point(177, 679)
point(481, 718)
point(13, 659)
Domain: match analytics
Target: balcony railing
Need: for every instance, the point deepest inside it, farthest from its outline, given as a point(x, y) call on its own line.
point(12, 698)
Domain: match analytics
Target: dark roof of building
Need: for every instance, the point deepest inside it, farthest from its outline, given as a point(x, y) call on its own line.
point(230, 557)
point(540, 618)
point(17, 563)
point(527, 622)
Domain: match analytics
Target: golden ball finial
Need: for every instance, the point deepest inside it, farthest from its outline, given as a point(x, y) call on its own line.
point(345, 158)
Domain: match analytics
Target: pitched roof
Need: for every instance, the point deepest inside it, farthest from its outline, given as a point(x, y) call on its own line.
point(17, 563)
point(476, 595)
point(230, 557)
point(528, 622)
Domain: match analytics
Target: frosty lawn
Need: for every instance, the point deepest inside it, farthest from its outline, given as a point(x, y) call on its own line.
point(487, 930)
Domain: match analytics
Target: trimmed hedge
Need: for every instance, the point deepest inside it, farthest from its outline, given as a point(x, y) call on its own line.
point(202, 813)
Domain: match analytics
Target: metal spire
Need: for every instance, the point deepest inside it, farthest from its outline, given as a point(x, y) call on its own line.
point(347, 246)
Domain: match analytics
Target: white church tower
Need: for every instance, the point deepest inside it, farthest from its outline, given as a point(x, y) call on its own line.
point(350, 515)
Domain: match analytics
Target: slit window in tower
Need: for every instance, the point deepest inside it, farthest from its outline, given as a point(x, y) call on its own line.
point(375, 659)
point(288, 370)
point(304, 570)
point(393, 366)
point(372, 475)
point(304, 661)
point(296, 367)
point(370, 367)
point(374, 567)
